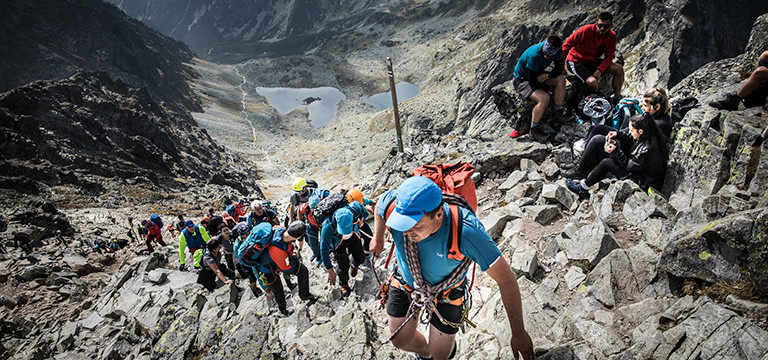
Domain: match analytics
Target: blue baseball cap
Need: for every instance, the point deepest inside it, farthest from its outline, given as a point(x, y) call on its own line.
point(344, 219)
point(189, 223)
point(416, 196)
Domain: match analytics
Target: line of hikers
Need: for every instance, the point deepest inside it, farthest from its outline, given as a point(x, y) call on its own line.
point(433, 230)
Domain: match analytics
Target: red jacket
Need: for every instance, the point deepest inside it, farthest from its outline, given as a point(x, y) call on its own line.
point(154, 232)
point(582, 46)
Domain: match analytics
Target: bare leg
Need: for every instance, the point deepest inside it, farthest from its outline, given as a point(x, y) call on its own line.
point(440, 343)
point(559, 93)
point(408, 339)
point(618, 78)
point(542, 101)
point(754, 80)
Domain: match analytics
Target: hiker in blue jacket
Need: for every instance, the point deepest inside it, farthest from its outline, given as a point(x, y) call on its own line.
point(422, 218)
point(278, 258)
point(340, 234)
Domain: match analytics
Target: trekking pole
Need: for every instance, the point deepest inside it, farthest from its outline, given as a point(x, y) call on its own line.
point(391, 75)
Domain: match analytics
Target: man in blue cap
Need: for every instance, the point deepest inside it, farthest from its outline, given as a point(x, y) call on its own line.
point(533, 82)
point(421, 217)
point(340, 234)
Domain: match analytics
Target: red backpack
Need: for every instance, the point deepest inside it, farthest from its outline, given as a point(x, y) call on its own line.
point(452, 179)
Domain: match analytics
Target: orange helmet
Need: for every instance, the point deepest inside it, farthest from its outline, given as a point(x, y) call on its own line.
point(355, 195)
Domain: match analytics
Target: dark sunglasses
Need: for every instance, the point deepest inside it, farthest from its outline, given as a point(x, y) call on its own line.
point(604, 26)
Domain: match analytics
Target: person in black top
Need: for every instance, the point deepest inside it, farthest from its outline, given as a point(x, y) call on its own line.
point(212, 267)
point(640, 155)
point(260, 214)
point(656, 103)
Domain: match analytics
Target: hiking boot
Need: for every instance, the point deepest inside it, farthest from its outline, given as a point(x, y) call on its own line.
point(575, 186)
point(345, 290)
point(538, 135)
point(285, 312)
point(256, 291)
point(367, 263)
point(353, 271)
point(575, 172)
point(419, 357)
point(310, 299)
point(731, 102)
point(560, 117)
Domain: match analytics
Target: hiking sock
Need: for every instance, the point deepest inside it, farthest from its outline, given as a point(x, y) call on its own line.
point(583, 184)
point(535, 125)
point(559, 107)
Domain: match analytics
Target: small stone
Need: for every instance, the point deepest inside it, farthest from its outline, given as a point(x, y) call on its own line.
point(574, 277)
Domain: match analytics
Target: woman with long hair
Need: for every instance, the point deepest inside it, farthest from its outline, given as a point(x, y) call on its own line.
point(639, 154)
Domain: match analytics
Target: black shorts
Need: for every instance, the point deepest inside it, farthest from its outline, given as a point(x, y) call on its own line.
point(526, 87)
point(763, 62)
point(582, 70)
point(399, 301)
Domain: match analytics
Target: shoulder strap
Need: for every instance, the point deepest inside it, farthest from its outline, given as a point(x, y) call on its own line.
point(455, 233)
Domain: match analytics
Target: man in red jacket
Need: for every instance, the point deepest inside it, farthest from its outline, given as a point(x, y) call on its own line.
point(590, 52)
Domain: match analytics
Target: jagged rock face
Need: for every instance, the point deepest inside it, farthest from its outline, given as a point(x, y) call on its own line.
point(89, 129)
point(238, 30)
point(54, 40)
point(660, 44)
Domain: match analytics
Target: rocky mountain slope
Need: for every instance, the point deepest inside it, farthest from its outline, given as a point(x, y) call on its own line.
point(54, 40)
point(240, 30)
point(97, 112)
point(622, 275)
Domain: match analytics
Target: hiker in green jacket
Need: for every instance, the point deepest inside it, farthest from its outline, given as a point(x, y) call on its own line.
point(194, 237)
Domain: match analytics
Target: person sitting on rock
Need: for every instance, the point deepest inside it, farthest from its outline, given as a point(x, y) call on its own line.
point(153, 234)
point(656, 103)
point(261, 214)
point(420, 224)
point(212, 267)
point(60, 239)
point(590, 52)
point(365, 231)
point(340, 234)
point(640, 155)
point(756, 80)
point(193, 237)
point(279, 257)
point(532, 82)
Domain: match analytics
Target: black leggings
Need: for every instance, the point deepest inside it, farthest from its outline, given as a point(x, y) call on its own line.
point(276, 285)
point(355, 247)
point(597, 161)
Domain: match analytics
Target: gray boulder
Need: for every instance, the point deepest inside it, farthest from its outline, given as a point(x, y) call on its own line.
point(718, 249)
point(591, 242)
point(495, 222)
point(543, 214)
point(556, 194)
point(176, 342)
point(708, 331)
point(524, 260)
point(516, 177)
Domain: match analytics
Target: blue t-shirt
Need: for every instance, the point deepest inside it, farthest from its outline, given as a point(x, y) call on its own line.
point(330, 239)
point(533, 60)
point(475, 244)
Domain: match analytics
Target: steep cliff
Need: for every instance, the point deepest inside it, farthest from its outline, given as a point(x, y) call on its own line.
point(54, 40)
